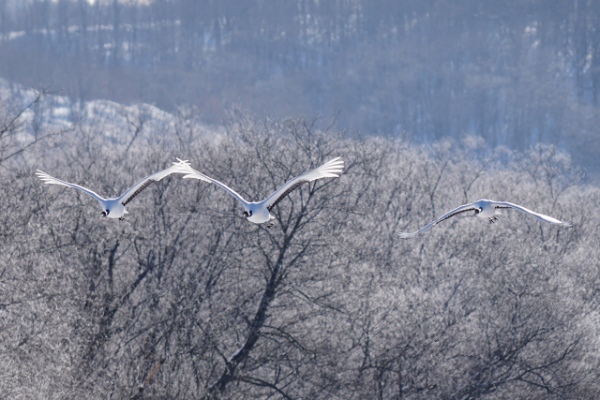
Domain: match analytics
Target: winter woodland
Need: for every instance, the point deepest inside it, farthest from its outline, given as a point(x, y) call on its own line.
point(186, 299)
point(430, 104)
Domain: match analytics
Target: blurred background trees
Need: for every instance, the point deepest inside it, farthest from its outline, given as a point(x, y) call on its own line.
point(515, 74)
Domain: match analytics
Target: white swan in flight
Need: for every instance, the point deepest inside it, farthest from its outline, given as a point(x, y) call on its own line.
point(115, 207)
point(485, 209)
point(260, 211)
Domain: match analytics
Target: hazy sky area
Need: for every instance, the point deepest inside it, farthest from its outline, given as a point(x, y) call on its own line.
point(514, 73)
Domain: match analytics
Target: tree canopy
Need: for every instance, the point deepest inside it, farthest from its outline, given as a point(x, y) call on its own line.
point(186, 299)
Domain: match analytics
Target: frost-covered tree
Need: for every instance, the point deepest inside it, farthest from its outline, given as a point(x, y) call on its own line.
point(186, 299)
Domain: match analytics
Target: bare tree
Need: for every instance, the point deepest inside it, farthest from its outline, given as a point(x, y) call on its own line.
point(187, 299)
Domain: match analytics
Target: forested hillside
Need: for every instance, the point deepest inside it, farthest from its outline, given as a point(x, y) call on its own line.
point(513, 73)
point(185, 299)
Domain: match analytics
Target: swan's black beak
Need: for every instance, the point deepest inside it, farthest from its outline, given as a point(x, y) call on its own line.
point(247, 214)
point(477, 210)
point(105, 213)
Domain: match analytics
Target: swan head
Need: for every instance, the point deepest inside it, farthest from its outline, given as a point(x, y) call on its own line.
point(105, 213)
point(247, 213)
point(478, 210)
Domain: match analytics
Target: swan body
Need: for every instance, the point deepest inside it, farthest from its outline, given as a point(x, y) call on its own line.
point(485, 208)
point(115, 207)
point(259, 212)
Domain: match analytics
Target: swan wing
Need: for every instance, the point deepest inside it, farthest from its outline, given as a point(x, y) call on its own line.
point(449, 214)
point(331, 169)
point(50, 180)
point(541, 217)
point(193, 174)
point(132, 192)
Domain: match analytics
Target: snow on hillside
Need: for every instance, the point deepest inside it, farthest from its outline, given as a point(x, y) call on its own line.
point(119, 124)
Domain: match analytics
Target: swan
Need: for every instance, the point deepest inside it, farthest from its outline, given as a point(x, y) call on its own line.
point(485, 209)
point(115, 207)
point(259, 212)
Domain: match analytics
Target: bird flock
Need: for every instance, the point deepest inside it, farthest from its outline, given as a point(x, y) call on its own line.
point(259, 212)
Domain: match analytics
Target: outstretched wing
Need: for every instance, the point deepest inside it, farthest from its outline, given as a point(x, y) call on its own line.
point(50, 180)
point(458, 210)
point(541, 217)
point(132, 192)
point(331, 169)
point(192, 173)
